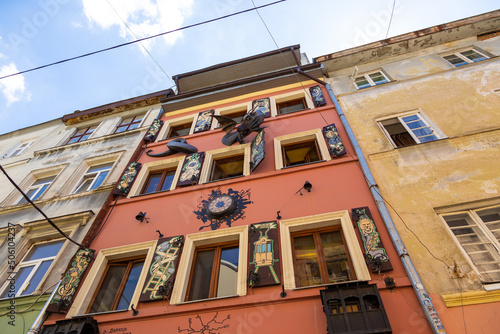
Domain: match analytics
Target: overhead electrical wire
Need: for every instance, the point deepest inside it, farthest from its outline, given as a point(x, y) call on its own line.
point(141, 39)
point(390, 20)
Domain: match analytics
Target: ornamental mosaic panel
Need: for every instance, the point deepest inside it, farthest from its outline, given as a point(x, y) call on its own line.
point(317, 96)
point(262, 105)
point(264, 268)
point(191, 169)
point(128, 177)
point(204, 121)
point(335, 145)
point(257, 150)
point(153, 130)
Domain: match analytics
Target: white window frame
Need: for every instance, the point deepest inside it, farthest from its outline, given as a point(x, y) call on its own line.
point(294, 138)
point(18, 149)
point(38, 187)
point(274, 100)
point(98, 269)
point(372, 83)
point(155, 166)
point(36, 263)
point(399, 117)
point(96, 175)
point(464, 58)
point(177, 121)
point(192, 241)
point(472, 214)
point(210, 156)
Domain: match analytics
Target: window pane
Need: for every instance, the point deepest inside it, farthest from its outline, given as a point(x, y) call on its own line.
point(129, 289)
point(335, 257)
point(378, 78)
point(455, 60)
point(202, 273)
point(301, 153)
point(152, 183)
point(21, 276)
point(306, 261)
point(37, 277)
point(30, 195)
point(84, 185)
point(228, 272)
point(109, 288)
point(291, 106)
point(98, 168)
point(40, 192)
point(169, 178)
point(44, 180)
point(491, 219)
point(100, 179)
point(362, 82)
point(44, 250)
point(473, 55)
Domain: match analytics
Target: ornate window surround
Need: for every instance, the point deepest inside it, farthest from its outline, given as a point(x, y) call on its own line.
point(177, 121)
point(342, 218)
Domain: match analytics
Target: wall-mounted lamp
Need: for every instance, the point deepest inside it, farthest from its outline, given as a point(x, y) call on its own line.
point(283, 293)
point(141, 216)
point(160, 235)
point(307, 186)
point(134, 311)
point(278, 216)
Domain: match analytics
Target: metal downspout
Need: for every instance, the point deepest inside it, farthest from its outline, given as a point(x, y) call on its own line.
point(35, 328)
point(423, 297)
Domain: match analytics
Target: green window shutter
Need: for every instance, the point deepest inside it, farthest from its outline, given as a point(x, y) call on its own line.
point(264, 266)
point(161, 273)
point(317, 96)
point(70, 281)
point(335, 146)
point(203, 121)
point(257, 150)
point(128, 177)
point(376, 256)
point(262, 105)
point(191, 169)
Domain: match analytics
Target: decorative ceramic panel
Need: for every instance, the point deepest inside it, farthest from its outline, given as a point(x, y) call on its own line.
point(153, 130)
point(191, 169)
point(335, 146)
point(376, 256)
point(70, 281)
point(257, 148)
point(317, 96)
point(204, 121)
point(263, 105)
point(264, 267)
point(128, 177)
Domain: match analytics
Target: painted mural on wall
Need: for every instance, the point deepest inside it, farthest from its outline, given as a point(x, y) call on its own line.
point(263, 106)
point(222, 207)
point(377, 257)
point(128, 177)
point(213, 326)
point(70, 281)
point(153, 130)
point(204, 121)
point(317, 96)
point(335, 145)
point(161, 272)
point(191, 169)
point(257, 149)
point(265, 266)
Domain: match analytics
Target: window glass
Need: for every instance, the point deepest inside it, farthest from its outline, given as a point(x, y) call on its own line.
point(370, 79)
point(109, 288)
point(36, 278)
point(301, 153)
point(228, 167)
point(291, 106)
point(306, 261)
point(159, 181)
point(129, 289)
point(93, 178)
point(37, 189)
point(201, 277)
point(21, 276)
point(44, 250)
point(455, 60)
point(179, 130)
point(228, 272)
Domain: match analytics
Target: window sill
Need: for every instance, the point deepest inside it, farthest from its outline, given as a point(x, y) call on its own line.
point(304, 164)
point(324, 285)
point(99, 313)
point(206, 300)
point(292, 112)
point(225, 179)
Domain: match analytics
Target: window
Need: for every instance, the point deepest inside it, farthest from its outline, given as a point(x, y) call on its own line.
point(301, 153)
point(213, 265)
point(300, 148)
point(32, 269)
point(465, 57)
point(320, 257)
point(478, 233)
point(408, 129)
point(288, 107)
point(159, 181)
point(225, 163)
point(214, 272)
point(129, 123)
point(18, 150)
point(37, 189)
point(321, 249)
point(225, 168)
point(371, 79)
point(93, 178)
point(179, 130)
point(236, 116)
point(117, 286)
point(82, 135)
point(291, 102)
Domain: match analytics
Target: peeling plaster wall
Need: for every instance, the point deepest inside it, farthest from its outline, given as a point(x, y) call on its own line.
point(463, 104)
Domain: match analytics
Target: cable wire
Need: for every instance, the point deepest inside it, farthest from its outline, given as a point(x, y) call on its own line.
point(38, 209)
point(390, 20)
point(141, 39)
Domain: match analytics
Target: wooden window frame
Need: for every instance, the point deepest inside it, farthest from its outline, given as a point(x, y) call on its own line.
point(164, 175)
point(238, 157)
point(214, 277)
point(289, 103)
point(222, 153)
point(314, 144)
point(130, 262)
point(88, 131)
point(316, 233)
point(132, 122)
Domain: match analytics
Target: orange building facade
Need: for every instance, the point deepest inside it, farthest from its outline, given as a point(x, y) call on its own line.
point(245, 212)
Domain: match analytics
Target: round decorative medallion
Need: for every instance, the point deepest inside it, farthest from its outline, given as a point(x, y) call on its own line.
point(221, 206)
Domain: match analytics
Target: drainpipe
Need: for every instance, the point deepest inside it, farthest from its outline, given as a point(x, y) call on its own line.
point(35, 328)
point(423, 297)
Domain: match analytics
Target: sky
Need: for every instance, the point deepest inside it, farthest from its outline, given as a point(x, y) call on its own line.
point(38, 32)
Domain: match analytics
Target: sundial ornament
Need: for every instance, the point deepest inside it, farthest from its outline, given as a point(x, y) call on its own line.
point(250, 123)
point(222, 207)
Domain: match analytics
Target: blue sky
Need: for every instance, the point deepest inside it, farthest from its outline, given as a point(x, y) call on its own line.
point(35, 33)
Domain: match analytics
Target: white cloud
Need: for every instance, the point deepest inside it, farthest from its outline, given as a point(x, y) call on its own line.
point(144, 17)
point(13, 87)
